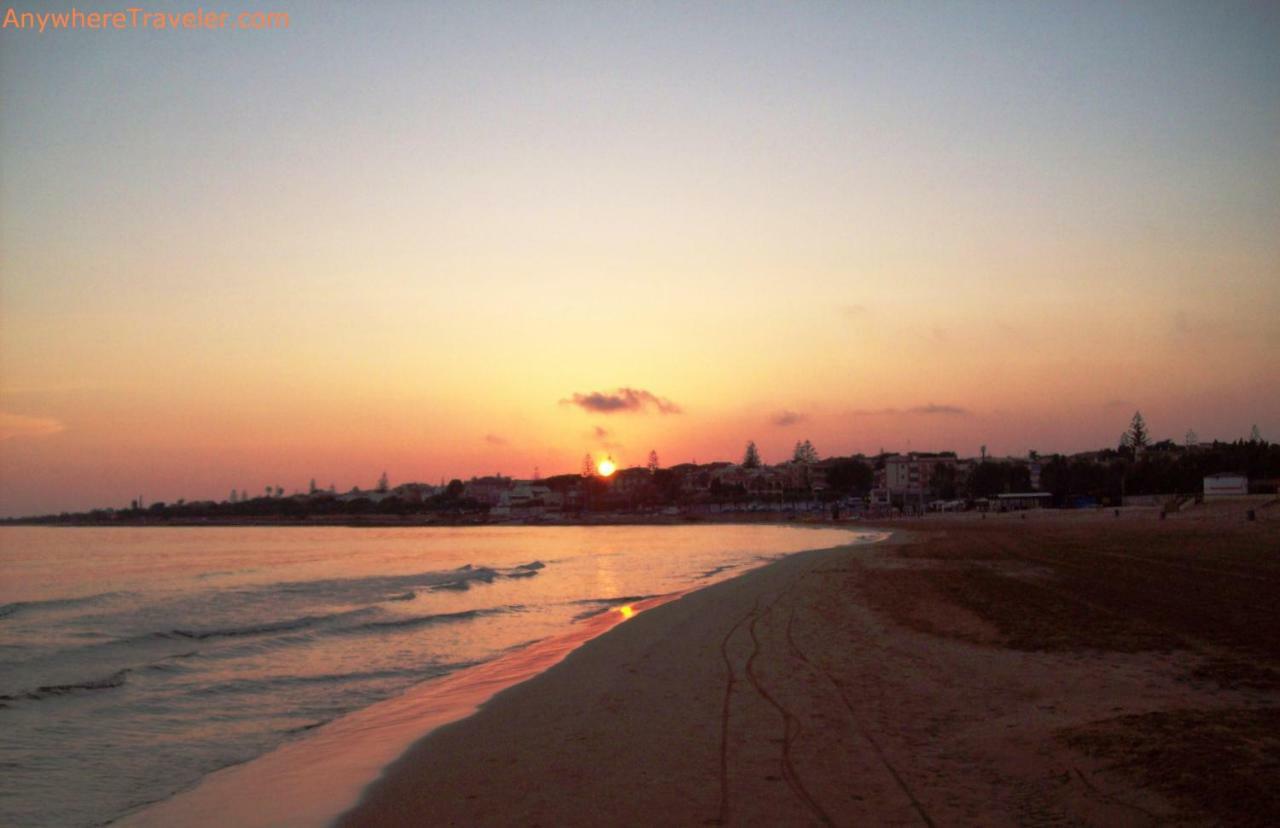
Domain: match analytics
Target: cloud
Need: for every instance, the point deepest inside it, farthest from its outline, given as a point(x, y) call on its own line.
point(944, 410)
point(601, 433)
point(854, 311)
point(495, 440)
point(622, 400)
point(786, 418)
point(930, 410)
point(20, 425)
point(1112, 404)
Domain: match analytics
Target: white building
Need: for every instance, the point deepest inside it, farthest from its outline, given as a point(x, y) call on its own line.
point(1226, 484)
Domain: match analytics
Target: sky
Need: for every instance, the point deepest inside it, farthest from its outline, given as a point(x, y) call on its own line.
point(443, 240)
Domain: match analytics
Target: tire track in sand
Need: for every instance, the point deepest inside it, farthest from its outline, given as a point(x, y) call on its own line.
point(790, 723)
point(722, 816)
point(857, 724)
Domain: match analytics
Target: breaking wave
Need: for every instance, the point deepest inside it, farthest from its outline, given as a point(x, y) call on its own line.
point(116, 679)
point(12, 609)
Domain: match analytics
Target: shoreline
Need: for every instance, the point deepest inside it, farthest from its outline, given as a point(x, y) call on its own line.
point(968, 672)
point(313, 780)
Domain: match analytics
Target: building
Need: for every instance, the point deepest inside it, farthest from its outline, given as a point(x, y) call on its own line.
point(1017, 501)
point(487, 490)
point(911, 474)
point(1226, 484)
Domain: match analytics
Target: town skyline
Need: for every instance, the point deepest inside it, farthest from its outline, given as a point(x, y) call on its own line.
point(601, 465)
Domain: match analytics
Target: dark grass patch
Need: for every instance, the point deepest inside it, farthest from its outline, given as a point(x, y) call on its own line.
point(1225, 763)
point(1099, 586)
point(1237, 674)
point(1013, 612)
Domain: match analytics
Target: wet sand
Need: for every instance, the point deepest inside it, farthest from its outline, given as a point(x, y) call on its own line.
point(999, 672)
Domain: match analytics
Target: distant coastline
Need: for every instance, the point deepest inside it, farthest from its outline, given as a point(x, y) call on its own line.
point(806, 487)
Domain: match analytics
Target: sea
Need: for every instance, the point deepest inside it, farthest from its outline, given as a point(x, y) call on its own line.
point(135, 662)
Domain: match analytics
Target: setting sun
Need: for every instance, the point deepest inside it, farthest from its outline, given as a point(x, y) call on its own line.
point(606, 467)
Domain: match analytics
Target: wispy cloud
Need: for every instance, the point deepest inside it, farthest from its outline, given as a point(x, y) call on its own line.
point(495, 440)
point(20, 425)
point(786, 418)
point(944, 410)
point(930, 410)
point(601, 436)
point(622, 400)
point(853, 312)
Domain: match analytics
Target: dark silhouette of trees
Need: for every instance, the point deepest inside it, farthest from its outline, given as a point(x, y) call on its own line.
point(805, 453)
point(751, 458)
point(944, 484)
point(849, 476)
point(1137, 433)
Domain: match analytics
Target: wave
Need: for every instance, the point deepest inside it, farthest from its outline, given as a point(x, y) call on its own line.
point(243, 686)
point(374, 587)
point(524, 570)
point(331, 620)
point(116, 679)
point(11, 609)
point(617, 599)
point(415, 621)
point(287, 625)
point(599, 605)
point(716, 570)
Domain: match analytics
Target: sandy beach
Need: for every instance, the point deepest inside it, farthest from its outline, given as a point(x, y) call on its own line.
point(1058, 670)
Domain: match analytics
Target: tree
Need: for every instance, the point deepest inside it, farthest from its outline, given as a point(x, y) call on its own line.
point(653, 461)
point(805, 453)
point(588, 467)
point(944, 482)
point(1192, 439)
point(383, 483)
point(988, 478)
point(751, 459)
point(312, 488)
point(1138, 437)
point(850, 476)
point(1255, 436)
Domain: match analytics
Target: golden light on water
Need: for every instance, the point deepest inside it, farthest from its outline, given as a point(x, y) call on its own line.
point(626, 611)
point(606, 467)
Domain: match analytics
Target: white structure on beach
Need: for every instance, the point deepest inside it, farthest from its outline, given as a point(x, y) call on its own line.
point(1226, 484)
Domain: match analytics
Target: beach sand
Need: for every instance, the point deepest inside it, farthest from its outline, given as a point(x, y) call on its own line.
point(997, 672)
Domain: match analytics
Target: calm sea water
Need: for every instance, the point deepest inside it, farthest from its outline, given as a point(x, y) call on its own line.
point(133, 662)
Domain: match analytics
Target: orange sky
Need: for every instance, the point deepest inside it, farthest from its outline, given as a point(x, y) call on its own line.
point(400, 243)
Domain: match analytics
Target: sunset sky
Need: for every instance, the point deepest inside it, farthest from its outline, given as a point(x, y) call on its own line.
point(482, 237)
